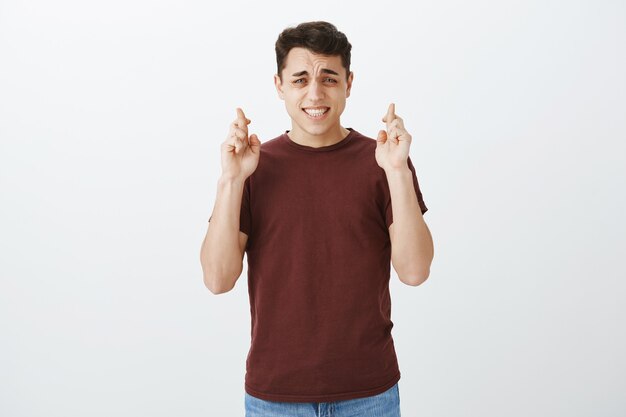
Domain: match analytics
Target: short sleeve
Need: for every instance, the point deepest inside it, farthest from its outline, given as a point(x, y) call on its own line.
point(418, 192)
point(244, 213)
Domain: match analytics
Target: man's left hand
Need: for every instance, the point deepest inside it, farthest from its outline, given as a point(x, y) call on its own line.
point(392, 146)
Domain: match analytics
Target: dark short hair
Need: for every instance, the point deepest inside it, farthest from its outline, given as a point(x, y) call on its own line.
point(319, 37)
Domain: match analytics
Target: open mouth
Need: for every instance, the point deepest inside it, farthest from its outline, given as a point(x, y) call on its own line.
point(316, 113)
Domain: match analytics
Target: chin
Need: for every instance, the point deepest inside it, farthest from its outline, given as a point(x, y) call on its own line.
point(315, 130)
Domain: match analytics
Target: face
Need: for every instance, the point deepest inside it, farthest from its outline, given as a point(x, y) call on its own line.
point(312, 81)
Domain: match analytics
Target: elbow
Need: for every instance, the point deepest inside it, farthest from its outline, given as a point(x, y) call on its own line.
point(216, 285)
point(412, 273)
point(209, 283)
point(215, 279)
point(414, 279)
point(221, 280)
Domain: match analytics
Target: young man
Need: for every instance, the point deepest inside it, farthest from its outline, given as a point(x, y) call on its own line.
point(321, 211)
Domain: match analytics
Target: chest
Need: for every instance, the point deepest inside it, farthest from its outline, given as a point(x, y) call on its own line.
point(319, 197)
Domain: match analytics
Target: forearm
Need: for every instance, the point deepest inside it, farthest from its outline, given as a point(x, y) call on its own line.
point(220, 255)
point(412, 245)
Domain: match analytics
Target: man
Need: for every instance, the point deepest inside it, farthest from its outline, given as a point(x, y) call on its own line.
point(321, 212)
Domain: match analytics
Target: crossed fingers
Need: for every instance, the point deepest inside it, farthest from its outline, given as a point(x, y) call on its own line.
point(239, 130)
point(395, 124)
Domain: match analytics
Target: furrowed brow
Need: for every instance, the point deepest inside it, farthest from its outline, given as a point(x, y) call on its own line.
point(324, 71)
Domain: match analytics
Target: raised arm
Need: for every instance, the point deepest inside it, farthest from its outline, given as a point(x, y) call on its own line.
point(221, 253)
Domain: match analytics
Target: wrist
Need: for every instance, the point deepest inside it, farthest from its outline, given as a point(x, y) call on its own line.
point(398, 171)
point(225, 179)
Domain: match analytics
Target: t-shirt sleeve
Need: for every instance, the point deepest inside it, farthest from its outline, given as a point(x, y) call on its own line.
point(244, 212)
point(418, 192)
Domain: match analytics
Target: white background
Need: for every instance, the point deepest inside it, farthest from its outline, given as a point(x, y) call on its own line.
point(111, 117)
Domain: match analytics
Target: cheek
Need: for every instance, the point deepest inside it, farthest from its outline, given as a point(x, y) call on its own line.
point(293, 109)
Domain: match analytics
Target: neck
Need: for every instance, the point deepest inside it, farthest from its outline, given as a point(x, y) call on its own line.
point(316, 141)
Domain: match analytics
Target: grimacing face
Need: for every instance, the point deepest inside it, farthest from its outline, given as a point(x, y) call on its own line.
point(314, 82)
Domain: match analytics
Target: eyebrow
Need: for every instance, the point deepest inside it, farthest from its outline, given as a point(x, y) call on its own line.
point(324, 71)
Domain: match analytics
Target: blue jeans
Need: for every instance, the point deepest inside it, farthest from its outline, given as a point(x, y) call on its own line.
point(386, 404)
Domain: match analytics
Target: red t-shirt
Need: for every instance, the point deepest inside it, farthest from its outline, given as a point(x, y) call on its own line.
point(319, 259)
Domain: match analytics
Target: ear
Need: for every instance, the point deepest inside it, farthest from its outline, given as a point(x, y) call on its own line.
point(350, 79)
point(279, 87)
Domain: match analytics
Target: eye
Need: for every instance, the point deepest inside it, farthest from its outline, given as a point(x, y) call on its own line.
point(332, 80)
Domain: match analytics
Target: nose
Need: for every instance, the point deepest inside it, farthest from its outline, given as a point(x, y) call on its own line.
point(316, 91)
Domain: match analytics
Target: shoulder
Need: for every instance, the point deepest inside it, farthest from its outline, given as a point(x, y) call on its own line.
point(361, 142)
point(271, 144)
point(364, 147)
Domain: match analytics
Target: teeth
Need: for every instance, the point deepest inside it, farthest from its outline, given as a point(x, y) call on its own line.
point(316, 112)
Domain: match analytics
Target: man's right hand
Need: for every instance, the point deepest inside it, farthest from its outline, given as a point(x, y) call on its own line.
point(240, 153)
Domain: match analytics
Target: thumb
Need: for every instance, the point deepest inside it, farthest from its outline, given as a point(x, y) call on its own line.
point(382, 137)
point(255, 143)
